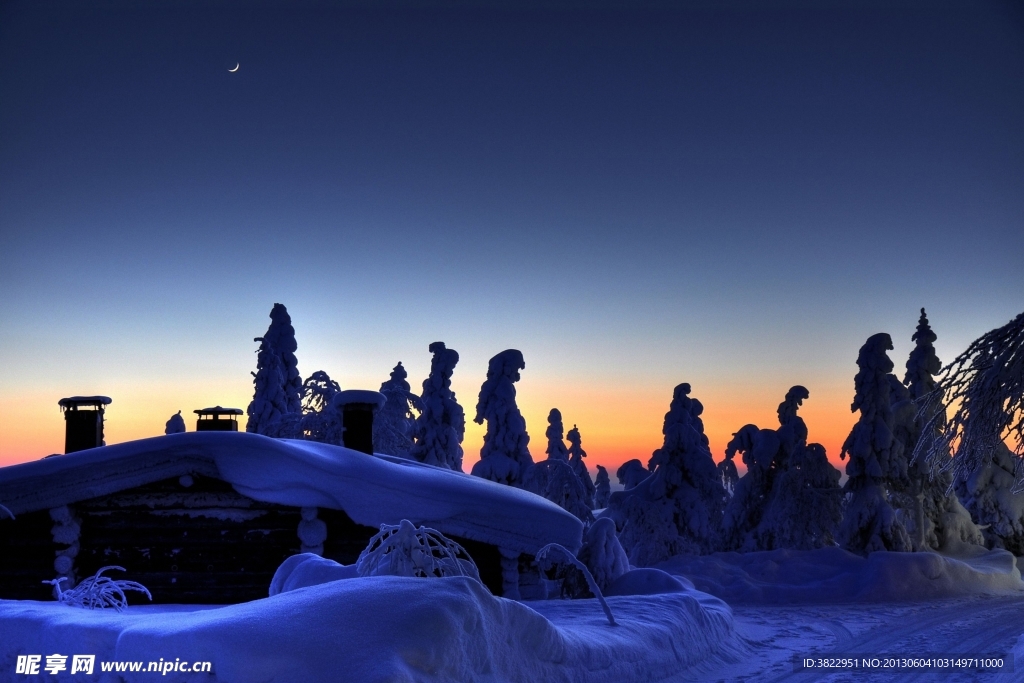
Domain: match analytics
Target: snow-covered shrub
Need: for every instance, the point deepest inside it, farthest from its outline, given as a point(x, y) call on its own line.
point(505, 455)
point(553, 554)
point(175, 425)
point(631, 473)
point(988, 494)
point(876, 458)
point(602, 553)
point(394, 424)
point(98, 591)
point(555, 480)
point(439, 429)
point(602, 488)
point(407, 550)
point(678, 508)
point(576, 455)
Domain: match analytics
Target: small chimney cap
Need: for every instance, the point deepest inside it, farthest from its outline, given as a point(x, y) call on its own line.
point(75, 401)
point(217, 410)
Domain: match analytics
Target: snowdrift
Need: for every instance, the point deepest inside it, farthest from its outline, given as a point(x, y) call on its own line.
point(389, 629)
point(831, 575)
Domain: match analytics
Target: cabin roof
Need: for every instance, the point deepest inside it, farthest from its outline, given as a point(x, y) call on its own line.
point(372, 490)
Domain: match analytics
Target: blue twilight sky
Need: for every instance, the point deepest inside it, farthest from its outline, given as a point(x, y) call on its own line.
point(731, 194)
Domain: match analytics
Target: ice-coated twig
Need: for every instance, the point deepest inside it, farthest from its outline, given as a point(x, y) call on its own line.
point(98, 591)
point(544, 556)
point(5, 513)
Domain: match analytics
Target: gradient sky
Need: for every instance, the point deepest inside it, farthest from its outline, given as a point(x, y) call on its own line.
point(632, 196)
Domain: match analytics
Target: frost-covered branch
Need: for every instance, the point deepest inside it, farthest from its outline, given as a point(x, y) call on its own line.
point(405, 550)
point(544, 560)
point(5, 513)
point(98, 591)
point(986, 384)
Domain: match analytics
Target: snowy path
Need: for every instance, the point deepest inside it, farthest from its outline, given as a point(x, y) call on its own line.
point(979, 625)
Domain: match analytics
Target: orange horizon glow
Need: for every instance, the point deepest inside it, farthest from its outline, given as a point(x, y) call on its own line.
point(616, 423)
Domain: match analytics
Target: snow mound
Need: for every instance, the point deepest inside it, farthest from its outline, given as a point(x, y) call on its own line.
point(829, 575)
point(391, 629)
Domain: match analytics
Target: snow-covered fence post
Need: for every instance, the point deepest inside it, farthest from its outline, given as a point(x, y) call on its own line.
point(66, 531)
point(543, 556)
point(312, 531)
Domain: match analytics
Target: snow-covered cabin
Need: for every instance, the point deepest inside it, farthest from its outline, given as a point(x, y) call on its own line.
point(207, 517)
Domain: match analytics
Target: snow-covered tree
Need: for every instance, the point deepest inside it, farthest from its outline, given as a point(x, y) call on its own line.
point(395, 423)
point(556, 446)
point(320, 421)
point(576, 455)
point(986, 383)
point(439, 429)
point(678, 508)
point(790, 495)
point(281, 336)
point(631, 473)
point(806, 505)
point(505, 455)
point(876, 457)
point(932, 515)
point(175, 425)
point(988, 494)
point(603, 488)
point(555, 479)
point(269, 402)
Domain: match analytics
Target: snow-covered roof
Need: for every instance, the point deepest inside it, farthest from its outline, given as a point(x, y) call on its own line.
point(372, 490)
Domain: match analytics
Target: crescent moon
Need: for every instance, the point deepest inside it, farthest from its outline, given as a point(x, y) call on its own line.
point(235, 69)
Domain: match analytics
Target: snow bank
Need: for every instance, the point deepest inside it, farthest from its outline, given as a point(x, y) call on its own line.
point(372, 490)
point(830, 575)
point(390, 629)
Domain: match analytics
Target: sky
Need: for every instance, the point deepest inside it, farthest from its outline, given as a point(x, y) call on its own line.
point(734, 195)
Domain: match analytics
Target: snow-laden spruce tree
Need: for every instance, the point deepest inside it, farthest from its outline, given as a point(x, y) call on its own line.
point(440, 427)
point(806, 505)
point(576, 455)
point(269, 402)
point(505, 455)
point(319, 421)
point(554, 478)
point(931, 513)
point(281, 336)
point(986, 384)
point(395, 423)
point(678, 508)
point(876, 462)
point(761, 450)
point(603, 488)
point(789, 497)
point(556, 446)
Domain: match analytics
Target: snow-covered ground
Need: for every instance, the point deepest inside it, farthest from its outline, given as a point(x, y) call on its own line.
point(439, 630)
